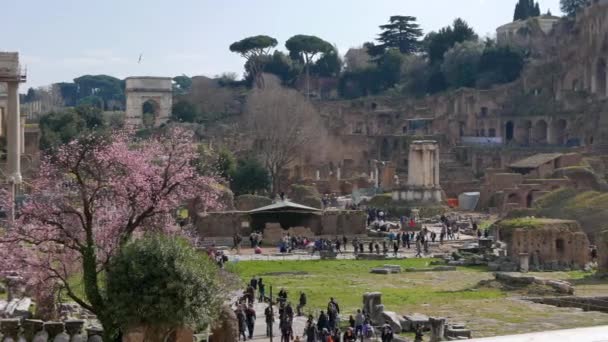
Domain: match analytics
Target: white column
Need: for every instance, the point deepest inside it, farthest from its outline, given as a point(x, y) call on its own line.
point(339, 173)
point(318, 175)
point(376, 179)
point(13, 132)
point(426, 163)
point(22, 136)
point(436, 166)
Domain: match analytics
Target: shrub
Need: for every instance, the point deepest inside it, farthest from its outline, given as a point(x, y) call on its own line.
point(163, 283)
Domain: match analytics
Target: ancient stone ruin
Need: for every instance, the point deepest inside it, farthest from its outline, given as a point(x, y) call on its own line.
point(423, 174)
point(438, 327)
point(546, 244)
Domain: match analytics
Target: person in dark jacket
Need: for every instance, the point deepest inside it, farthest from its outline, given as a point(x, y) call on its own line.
point(322, 322)
point(302, 303)
point(242, 322)
point(250, 317)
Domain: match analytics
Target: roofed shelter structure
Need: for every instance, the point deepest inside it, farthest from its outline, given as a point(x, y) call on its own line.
point(288, 215)
point(543, 164)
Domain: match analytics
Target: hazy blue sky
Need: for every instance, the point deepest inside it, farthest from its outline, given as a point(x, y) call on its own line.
point(62, 39)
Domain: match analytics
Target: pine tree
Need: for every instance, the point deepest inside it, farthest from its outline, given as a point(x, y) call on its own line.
point(537, 10)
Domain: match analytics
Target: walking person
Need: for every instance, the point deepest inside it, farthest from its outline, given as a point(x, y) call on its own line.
point(310, 330)
point(301, 304)
point(261, 290)
point(269, 315)
point(418, 248)
point(359, 320)
point(395, 247)
point(242, 322)
point(250, 317)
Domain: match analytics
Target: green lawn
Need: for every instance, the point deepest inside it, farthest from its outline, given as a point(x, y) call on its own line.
point(348, 280)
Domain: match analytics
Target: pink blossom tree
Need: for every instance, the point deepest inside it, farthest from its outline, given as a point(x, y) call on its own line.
point(90, 198)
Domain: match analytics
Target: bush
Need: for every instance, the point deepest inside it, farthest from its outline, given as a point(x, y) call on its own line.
point(162, 282)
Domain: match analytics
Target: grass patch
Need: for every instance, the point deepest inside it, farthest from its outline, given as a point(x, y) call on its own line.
point(523, 222)
point(348, 280)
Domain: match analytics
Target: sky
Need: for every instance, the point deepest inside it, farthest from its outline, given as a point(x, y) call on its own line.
point(59, 40)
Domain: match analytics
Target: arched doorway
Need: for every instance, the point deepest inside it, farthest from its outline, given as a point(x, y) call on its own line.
point(149, 113)
point(600, 77)
point(540, 132)
point(385, 150)
point(558, 132)
point(514, 198)
point(509, 130)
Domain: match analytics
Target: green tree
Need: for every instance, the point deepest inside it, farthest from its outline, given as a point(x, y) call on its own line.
point(305, 48)
point(525, 9)
point(250, 177)
point(184, 111)
point(570, 7)
point(226, 163)
point(182, 84)
point(329, 65)
point(499, 64)
point(401, 33)
point(437, 43)
point(253, 49)
point(461, 63)
point(176, 286)
point(59, 128)
point(281, 65)
point(106, 87)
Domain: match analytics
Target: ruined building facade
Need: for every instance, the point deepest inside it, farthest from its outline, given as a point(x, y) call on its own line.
point(559, 104)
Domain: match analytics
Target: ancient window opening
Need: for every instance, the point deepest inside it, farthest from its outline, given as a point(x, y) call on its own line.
point(484, 111)
point(560, 246)
point(600, 77)
point(509, 130)
point(492, 132)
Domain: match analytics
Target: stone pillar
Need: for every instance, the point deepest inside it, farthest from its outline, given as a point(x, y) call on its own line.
point(376, 177)
point(13, 133)
point(94, 334)
point(74, 329)
point(426, 163)
point(34, 329)
point(602, 252)
point(54, 329)
point(9, 329)
point(524, 262)
point(436, 166)
point(338, 173)
point(22, 135)
point(437, 329)
point(318, 175)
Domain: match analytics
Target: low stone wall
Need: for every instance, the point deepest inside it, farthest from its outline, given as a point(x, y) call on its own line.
point(330, 223)
point(15, 329)
point(602, 252)
point(585, 303)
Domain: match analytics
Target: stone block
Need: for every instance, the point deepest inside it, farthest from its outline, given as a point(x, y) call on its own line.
point(370, 256)
point(392, 319)
point(456, 333)
point(393, 268)
point(414, 320)
point(380, 271)
point(444, 268)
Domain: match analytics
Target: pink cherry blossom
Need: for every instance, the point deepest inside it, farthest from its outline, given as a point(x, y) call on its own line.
point(95, 194)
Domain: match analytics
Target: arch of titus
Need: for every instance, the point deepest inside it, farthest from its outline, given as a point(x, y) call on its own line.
point(423, 174)
point(11, 74)
point(157, 91)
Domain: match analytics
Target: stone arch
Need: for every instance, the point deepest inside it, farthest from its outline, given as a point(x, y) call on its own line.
point(514, 198)
point(149, 113)
point(557, 132)
point(600, 77)
point(539, 134)
point(509, 131)
point(140, 90)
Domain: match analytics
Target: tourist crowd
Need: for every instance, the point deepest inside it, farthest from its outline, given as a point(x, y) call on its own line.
point(325, 328)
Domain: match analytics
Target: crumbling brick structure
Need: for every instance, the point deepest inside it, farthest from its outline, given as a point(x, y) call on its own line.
point(549, 244)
